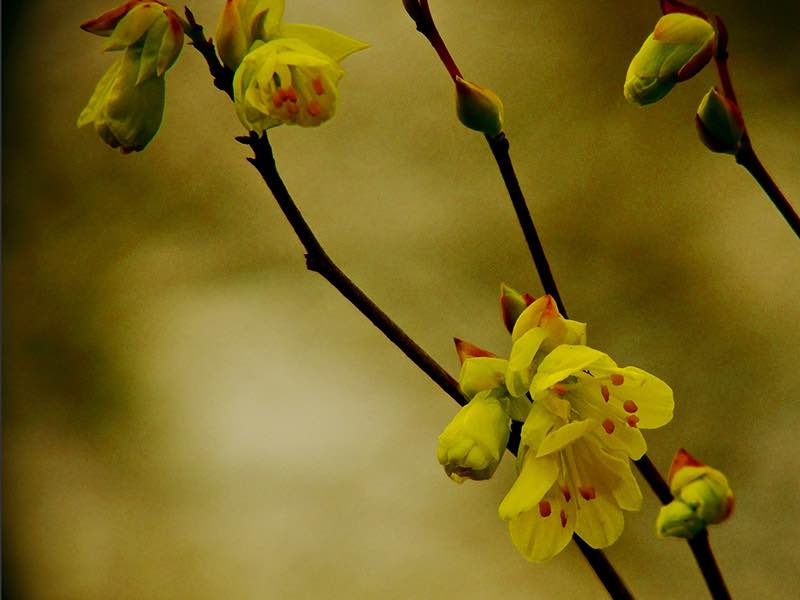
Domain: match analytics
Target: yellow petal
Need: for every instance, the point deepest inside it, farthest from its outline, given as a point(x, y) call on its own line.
point(332, 43)
point(535, 479)
point(521, 362)
point(481, 373)
point(564, 436)
point(566, 360)
point(541, 533)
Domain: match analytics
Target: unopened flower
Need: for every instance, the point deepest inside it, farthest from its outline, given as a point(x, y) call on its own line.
point(567, 483)
point(127, 105)
point(679, 47)
point(720, 124)
point(125, 113)
point(537, 331)
point(512, 303)
point(472, 444)
point(478, 108)
point(702, 497)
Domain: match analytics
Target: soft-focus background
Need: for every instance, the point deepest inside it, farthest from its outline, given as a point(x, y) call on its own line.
point(189, 413)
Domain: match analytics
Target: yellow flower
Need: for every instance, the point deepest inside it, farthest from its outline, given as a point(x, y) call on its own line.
point(537, 331)
point(567, 483)
point(472, 444)
point(580, 384)
point(679, 47)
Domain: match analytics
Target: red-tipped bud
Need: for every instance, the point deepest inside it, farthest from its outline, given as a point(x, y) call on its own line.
point(467, 350)
point(512, 303)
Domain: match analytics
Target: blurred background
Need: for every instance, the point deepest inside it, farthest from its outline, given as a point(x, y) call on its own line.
point(189, 413)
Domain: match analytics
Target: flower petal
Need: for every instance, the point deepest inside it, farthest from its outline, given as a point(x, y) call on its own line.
point(521, 362)
point(544, 531)
point(564, 436)
point(534, 480)
point(481, 373)
point(566, 360)
point(653, 397)
point(332, 43)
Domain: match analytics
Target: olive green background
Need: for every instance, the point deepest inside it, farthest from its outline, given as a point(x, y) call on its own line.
point(189, 413)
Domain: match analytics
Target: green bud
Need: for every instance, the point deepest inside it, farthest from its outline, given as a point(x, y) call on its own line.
point(679, 47)
point(702, 497)
point(478, 108)
point(720, 124)
point(126, 114)
point(512, 303)
point(472, 444)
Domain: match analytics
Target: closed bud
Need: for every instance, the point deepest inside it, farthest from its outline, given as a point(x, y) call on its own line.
point(472, 444)
point(243, 22)
point(478, 108)
point(720, 124)
point(512, 303)
point(467, 350)
point(702, 497)
point(126, 113)
point(679, 47)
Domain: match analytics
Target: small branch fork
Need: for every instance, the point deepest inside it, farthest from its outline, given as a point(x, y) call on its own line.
point(746, 156)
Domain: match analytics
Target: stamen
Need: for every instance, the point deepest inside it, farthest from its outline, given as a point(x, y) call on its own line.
point(560, 389)
point(292, 108)
point(630, 406)
point(291, 94)
point(617, 378)
point(632, 420)
point(544, 508)
point(565, 491)
point(314, 108)
point(284, 94)
point(604, 392)
point(608, 425)
point(277, 101)
point(563, 518)
point(587, 492)
point(317, 85)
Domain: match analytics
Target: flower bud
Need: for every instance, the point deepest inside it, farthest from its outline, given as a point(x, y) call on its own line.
point(512, 303)
point(472, 444)
point(285, 81)
point(467, 350)
point(679, 47)
point(126, 113)
point(720, 124)
point(478, 108)
point(243, 22)
point(702, 497)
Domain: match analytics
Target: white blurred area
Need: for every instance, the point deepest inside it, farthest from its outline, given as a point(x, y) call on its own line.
point(189, 413)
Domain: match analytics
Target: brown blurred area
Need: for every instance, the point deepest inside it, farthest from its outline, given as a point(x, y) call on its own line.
point(189, 413)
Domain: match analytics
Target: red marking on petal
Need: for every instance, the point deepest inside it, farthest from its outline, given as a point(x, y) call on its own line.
point(565, 491)
point(617, 379)
point(563, 518)
point(317, 85)
point(544, 508)
point(528, 298)
point(608, 425)
point(560, 389)
point(632, 420)
point(630, 406)
point(604, 392)
point(587, 492)
point(314, 108)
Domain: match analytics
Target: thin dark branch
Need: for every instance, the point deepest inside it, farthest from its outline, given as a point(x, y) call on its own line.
point(223, 76)
point(604, 570)
point(701, 548)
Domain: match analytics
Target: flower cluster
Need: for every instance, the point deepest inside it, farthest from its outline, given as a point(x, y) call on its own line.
point(582, 416)
point(284, 73)
point(127, 105)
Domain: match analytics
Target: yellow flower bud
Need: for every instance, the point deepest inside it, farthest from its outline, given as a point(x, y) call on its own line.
point(126, 113)
point(720, 124)
point(679, 47)
point(702, 497)
point(472, 444)
point(243, 22)
point(478, 108)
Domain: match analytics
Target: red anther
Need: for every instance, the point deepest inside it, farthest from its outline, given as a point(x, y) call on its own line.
point(544, 508)
point(284, 94)
point(317, 85)
point(630, 406)
point(292, 108)
point(314, 108)
point(617, 379)
point(608, 425)
point(604, 391)
point(632, 420)
point(560, 389)
point(587, 492)
point(291, 95)
point(563, 518)
point(277, 101)
point(565, 491)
